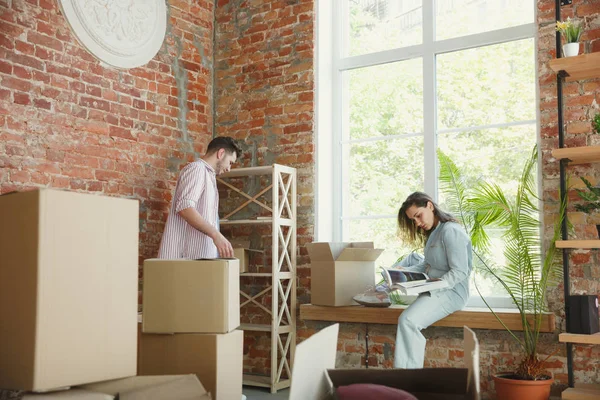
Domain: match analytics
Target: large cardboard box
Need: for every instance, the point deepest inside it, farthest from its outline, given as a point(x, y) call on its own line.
point(340, 271)
point(191, 296)
point(172, 387)
point(217, 359)
point(314, 375)
point(68, 288)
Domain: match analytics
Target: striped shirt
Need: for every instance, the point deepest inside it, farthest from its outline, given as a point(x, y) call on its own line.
point(196, 188)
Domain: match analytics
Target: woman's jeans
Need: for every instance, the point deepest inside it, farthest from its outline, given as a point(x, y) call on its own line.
point(427, 309)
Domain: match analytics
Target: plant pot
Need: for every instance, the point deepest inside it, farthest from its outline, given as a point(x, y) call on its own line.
point(571, 49)
point(518, 389)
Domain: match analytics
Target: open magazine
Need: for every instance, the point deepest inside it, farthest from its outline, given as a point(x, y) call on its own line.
point(410, 283)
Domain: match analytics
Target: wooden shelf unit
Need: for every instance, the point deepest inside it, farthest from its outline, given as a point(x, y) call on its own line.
point(578, 244)
point(578, 155)
point(579, 338)
point(584, 66)
point(282, 287)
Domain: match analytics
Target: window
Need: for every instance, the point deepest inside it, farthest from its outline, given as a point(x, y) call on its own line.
point(399, 79)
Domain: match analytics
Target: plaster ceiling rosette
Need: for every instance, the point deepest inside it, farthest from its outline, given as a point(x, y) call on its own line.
point(122, 33)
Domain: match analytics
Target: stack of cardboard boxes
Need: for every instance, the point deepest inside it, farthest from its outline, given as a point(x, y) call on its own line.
point(191, 310)
point(340, 271)
point(68, 296)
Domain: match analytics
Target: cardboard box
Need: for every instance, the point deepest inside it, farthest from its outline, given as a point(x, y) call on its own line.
point(191, 296)
point(217, 359)
point(68, 288)
point(340, 271)
point(314, 376)
point(241, 251)
point(172, 387)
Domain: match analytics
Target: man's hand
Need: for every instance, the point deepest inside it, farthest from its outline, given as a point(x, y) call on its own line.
point(225, 248)
point(193, 218)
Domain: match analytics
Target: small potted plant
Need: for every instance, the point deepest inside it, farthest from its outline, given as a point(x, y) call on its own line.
point(571, 32)
point(592, 198)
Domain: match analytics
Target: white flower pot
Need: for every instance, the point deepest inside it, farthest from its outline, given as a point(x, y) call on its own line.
point(571, 49)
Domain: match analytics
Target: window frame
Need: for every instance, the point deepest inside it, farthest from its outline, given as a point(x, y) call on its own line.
point(332, 110)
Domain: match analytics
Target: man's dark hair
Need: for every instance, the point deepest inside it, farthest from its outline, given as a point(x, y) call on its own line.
point(224, 142)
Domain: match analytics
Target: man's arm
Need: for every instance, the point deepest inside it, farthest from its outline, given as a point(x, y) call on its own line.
point(193, 217)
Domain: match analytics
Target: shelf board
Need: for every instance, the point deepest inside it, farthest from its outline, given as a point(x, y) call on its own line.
point(282, 221)
point(584, 66)
point(264, 328)
point(579, 338)
point(582, 392)
point(264, 381)
point(578, 244)
point(578, 155)
point(476, 318)
point(282, 275)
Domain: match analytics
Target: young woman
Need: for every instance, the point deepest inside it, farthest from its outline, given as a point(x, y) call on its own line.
point(448, 256)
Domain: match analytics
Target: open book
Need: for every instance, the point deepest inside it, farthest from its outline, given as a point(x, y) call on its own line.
point(410, 283)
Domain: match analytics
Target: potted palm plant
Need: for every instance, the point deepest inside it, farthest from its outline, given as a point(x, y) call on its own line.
point(528, 272)
point(592, 198)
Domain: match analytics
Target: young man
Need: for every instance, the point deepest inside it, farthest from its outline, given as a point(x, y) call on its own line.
point(192, 229)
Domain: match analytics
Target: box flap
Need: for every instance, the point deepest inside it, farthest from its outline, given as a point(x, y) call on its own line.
point(359, 254)
point(185, 388)
point(471, 348)
point(362, 245)
point(73, 394)
point(313, 357)
point(158, 387)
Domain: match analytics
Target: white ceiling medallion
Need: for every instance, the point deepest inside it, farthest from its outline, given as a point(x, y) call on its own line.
point(122, 33)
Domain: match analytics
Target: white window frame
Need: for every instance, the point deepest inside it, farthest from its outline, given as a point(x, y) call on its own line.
point(330, 112)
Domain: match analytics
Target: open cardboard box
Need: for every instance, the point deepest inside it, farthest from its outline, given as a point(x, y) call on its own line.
point(340, 271)
point(314, 376)
point(172, 387)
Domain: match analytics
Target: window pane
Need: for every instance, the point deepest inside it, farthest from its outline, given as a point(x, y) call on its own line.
point(498, 85)
point(377, 25)
point(494, 156)
point(456, 18)
point(381, 175)
point(383, 232)
point(385, 100)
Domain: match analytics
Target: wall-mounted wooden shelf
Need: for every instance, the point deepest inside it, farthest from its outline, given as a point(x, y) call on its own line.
point(578, 155)
point(578, 244)
point(579, 338)
point(584, 66)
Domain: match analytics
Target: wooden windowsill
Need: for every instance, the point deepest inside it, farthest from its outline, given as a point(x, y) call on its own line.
point(475, 318)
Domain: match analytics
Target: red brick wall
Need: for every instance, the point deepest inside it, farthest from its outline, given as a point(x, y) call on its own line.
point(69, 121)
point(265, 98)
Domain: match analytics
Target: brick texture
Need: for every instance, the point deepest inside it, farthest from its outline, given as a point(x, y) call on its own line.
point(71, 122)
point(264, 96)
point(68, 121)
